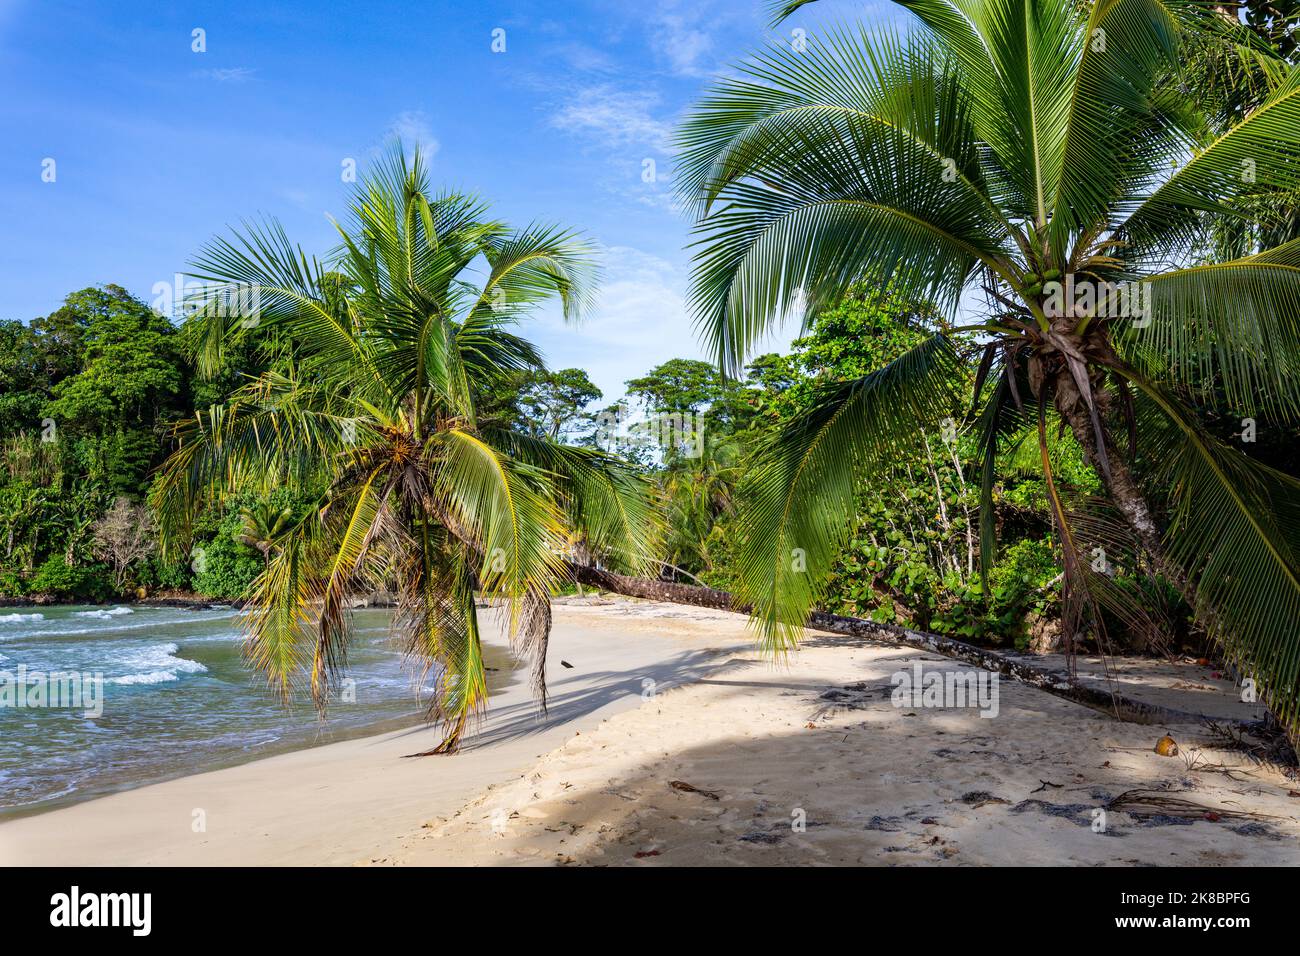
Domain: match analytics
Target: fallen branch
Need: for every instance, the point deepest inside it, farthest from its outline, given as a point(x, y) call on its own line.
point(1152, 802)
point(685, 787)
point(1270, 746)
point(1196, 763)
point(1055, 682)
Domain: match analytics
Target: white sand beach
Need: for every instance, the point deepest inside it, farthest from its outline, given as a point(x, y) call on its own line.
point(671, 741)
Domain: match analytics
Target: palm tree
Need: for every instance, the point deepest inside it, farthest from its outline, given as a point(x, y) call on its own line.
point(262, 525)
point(1024, 159)
point(373, 412)
point(698, 493)
point(1233, 75)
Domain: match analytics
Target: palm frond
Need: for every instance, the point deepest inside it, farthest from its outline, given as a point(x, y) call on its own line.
point(499, 507)
point(1233, 326)
point(262, 266)
point(781, 9)
point(1259, 152)
point(272, 433)
point(278, 626)
point(1128, 45)
point(606, 503)
point(799, 503)
point(848, 161)
point(534, 264)
point(1235, 532)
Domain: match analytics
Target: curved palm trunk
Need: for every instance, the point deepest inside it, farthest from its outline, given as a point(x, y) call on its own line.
point(1127, 496)
point(653, 590)
point(1125, 492)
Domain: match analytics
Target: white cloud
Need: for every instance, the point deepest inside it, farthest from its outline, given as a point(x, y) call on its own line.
point(679, 39)
point(412, 129)
point(664, 200)
point(228, 74)
point(642, 303)
point(617, 117)
point(580, 56)
point(299, 197)
point(640, 320)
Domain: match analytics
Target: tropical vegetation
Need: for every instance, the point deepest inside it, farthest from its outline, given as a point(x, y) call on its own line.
point(1022, 163)
point(374, 423)
point(1045, 260)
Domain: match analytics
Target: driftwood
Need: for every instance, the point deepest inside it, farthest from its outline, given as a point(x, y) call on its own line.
point(1056, 682)
point(654, 590)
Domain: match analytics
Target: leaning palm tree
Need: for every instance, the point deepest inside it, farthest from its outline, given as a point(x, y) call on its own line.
point(1029, 165)
point(380, 354)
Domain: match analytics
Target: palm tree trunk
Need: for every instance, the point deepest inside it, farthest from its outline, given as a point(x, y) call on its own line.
point(1057, 683)
point(1125, 492)
point(653, 590)
point(1127, 496)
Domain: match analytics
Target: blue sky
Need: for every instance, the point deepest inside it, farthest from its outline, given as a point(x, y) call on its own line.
point(157, 147)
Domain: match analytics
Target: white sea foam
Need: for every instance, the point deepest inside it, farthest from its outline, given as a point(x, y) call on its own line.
point(102, 631)
point(105, 614)
point(153, 664)
point(153, 677)
point(20, 618)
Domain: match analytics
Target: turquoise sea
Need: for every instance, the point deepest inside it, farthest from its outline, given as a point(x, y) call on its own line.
point(177, 698)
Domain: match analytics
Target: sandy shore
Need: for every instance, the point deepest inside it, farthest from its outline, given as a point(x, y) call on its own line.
point(337, 803)
point(669, 741)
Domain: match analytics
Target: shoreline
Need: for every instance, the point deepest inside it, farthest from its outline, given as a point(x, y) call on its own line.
point(174, 695)
point(170, 599)
point(334, 803)
point(750, 743)
point(79, 798)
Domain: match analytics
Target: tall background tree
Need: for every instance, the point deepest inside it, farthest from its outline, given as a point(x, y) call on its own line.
point(85, 396)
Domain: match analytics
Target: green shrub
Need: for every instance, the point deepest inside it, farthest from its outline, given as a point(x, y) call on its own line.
point(11, 584)
point(225, 569)
point(91, 583)
point(167, 575)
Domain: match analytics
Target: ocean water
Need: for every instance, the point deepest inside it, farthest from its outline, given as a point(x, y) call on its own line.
point(177, 698)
